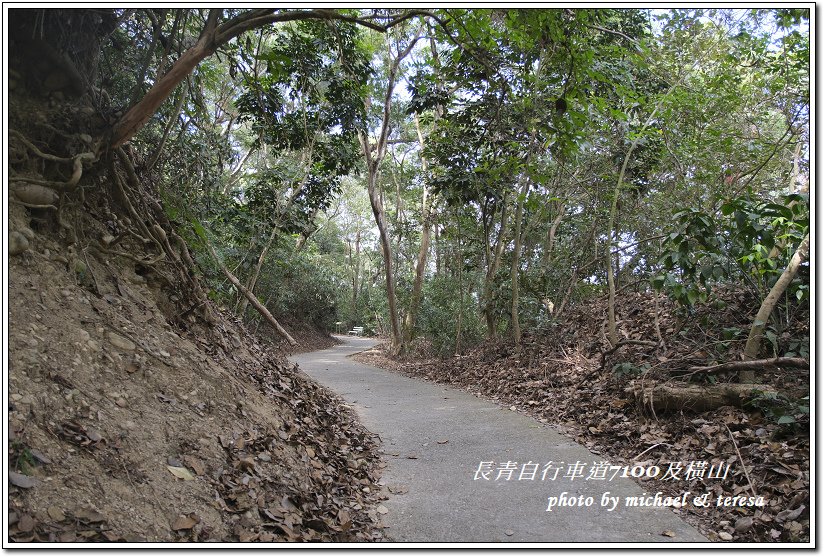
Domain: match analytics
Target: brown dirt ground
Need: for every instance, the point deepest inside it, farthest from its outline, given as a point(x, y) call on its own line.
point(105, 394)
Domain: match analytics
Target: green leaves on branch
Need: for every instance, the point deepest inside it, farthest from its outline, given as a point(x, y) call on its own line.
point(750, 241)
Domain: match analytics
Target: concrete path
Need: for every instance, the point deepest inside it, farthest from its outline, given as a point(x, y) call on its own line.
point(436, 439)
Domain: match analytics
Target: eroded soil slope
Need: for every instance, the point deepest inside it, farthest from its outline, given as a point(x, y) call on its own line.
point(124, 426)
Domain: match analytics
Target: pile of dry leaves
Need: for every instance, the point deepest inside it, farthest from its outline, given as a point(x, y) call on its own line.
point(567, 376)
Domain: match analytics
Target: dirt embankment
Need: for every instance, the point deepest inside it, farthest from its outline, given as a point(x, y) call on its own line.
point(126, 426)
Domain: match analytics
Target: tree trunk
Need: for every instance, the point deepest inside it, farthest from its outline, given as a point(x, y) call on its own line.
point(136, 117)
point(613, 332)
point(211, 38)
point(670, 398)
point(256, 273)
point(178, 108)
point(494, 261)
point(386, 250)
point(417, 287)
point(374, 154)
point(355, 272)
point(437, 250)
point(516, 259)
point(762, 317)
point(249, 296)
point(459, 324)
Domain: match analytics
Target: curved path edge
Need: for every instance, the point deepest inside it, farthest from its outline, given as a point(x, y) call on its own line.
point(435, 440)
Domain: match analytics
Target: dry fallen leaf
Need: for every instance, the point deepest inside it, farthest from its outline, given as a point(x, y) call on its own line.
point(181, 472)
point(743, 524)
point(382, 510)
point(184, 523)
point(21, 480)
point(443, 441)
point(785, 516)
point(55, 513)
point(725, 536)
point(195, 464)
point(26, 523)
point(89, 515)
point(40, 457)
point(668, 533)
point(510, 532)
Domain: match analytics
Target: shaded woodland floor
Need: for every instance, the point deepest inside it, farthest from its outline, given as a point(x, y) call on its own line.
point(560, 377)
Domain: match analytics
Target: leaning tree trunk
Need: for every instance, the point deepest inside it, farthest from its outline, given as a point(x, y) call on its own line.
point(767, 306)
point(256, 273)
point(251, 297)
point(213, 36)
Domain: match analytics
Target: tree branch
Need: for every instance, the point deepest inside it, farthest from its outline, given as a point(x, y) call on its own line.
point(798, 363)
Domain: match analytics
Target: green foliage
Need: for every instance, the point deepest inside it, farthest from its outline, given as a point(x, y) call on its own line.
point(548, 98)
point(735, 245)
point(307, 101)
point(25, 461)
point(791, 415)
point(628, 369)
point(438, 316)
point(302, 284)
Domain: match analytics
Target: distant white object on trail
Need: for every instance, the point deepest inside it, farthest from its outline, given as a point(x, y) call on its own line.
point(357, 331)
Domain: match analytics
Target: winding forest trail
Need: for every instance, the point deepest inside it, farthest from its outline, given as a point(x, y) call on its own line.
point(434, 440)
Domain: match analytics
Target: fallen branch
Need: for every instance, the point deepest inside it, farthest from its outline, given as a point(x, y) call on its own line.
point(604, 355)
point(685, 397)
point(741, 460)
point(621, 343)
point(799, 363)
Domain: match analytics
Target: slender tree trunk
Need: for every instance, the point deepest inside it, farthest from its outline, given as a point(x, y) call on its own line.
point(374, 154)
point(235, 174)
point(356, 272)
point(250, 286)
point(613, 211)
point(516, 260)
point(437, 250)
point(178, 108)
point(763, 316)
point(459, 324)
point(251, 297)
point(386, 250)
point(492, 270)
point(417, 287)
point(572, 281)
point(516, 256)
point(549, 245)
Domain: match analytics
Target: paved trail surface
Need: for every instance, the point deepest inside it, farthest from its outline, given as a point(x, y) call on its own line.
point(449, 433)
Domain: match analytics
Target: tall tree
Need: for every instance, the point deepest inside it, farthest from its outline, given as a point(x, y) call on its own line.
point(374, 153)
